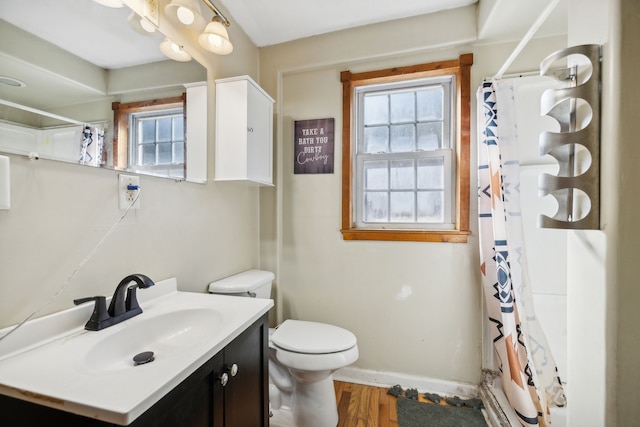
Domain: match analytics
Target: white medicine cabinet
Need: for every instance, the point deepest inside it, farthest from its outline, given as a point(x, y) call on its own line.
point(244, 132)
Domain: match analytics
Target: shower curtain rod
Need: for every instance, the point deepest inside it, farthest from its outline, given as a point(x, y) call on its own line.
point(527, 37)
point(513, 75)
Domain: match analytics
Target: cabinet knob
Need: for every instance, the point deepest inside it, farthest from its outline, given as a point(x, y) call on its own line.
point(224, 379)
point(233, 370)
point(250, 130)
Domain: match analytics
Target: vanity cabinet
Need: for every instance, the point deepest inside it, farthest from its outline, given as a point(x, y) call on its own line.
point(198, 401)
point(244, 132)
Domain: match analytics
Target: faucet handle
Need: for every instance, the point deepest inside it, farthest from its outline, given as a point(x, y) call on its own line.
point(99, 315)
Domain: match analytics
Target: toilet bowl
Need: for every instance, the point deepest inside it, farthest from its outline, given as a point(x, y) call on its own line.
point(302, 358)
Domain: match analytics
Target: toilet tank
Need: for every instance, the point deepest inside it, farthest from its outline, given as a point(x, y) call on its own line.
point(250, 283)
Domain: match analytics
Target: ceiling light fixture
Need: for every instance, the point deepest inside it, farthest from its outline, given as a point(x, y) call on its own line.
point(215, 37)
point(140, 25)
point(187, 12)
point(174, 51)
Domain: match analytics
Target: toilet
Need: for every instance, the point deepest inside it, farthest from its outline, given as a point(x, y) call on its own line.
point(302, 358)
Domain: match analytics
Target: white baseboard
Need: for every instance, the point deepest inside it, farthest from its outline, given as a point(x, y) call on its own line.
point(389, 379)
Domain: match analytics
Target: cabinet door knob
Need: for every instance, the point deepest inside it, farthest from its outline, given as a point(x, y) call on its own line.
point(224, 379)
point(250, 130)
point(233, 370)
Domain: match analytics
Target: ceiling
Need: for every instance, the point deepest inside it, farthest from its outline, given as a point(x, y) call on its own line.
point(277, 21)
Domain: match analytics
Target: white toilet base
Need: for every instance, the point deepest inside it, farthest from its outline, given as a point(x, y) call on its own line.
point(281, 418)
point(315, 404)
point(312, 405)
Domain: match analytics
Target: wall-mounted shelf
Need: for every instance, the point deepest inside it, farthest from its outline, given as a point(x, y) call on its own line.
point(576, 148)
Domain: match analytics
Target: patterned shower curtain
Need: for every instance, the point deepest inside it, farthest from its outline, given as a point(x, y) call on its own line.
point(529, 374)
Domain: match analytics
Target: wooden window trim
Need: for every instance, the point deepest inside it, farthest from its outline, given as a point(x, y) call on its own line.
point(461, 68)
point(121, 122)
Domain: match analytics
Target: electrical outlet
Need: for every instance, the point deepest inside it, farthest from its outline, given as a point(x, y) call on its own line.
point(125, 195)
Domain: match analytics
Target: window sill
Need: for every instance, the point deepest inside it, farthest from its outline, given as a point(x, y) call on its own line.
point(443, 236)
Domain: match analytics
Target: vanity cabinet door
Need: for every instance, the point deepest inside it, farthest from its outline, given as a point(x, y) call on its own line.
point(246, 395)
point(189, 404)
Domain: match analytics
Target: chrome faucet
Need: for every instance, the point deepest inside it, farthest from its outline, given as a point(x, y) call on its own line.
point(123, 306)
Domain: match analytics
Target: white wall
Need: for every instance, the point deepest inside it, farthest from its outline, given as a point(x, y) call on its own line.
point(435, 329)
point(587, 344)
point(621, 93)
point(59, 212)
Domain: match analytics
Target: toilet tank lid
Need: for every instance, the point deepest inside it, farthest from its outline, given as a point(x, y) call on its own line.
point(242, 282)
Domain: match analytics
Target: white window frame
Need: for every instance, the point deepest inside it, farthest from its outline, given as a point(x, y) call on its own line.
point(134, 143)
point(446, 152)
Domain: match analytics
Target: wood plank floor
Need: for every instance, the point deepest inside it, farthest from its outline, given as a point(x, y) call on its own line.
point(366, 406)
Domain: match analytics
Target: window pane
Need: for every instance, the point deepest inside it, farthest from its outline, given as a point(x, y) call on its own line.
point(402, 174)
point(376, 207)
point(376, 175)
point(178, 152)
point(164, 129)
point(376, 110)
point(429, 136)
point(147, 154)
point(376, 139)
point(430, 205)
point(178, 129)
point(147, 129)
point(430, 103)
point(403, 138)
point(165, 153)
point(403, 107)
point(402, 206)
point(431, 174)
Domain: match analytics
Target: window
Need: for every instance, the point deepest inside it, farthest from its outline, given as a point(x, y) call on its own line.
point(406, 153)
point(149, 136)
point(157, 140)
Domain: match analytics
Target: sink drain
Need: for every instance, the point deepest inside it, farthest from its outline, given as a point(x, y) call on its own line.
point(142, 358)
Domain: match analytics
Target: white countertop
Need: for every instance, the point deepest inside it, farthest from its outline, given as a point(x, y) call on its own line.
point(54, 361)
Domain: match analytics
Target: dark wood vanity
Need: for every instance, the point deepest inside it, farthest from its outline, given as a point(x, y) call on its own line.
point(200, 400)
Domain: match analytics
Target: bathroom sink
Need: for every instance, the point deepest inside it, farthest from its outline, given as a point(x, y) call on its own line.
point(166, 335)
point(53, 361)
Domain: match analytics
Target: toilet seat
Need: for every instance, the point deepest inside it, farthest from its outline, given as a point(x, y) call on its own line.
point(317, 362)
point(312, 338)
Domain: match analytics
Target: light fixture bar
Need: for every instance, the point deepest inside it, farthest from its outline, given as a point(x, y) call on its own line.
point(215, 10)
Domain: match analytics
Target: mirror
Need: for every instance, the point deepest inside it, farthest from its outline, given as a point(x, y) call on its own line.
point(65, 63)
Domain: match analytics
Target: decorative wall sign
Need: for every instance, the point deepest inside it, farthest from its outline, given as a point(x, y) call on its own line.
point(313, 146)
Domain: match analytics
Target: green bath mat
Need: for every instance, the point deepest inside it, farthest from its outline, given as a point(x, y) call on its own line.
point(412, 413)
